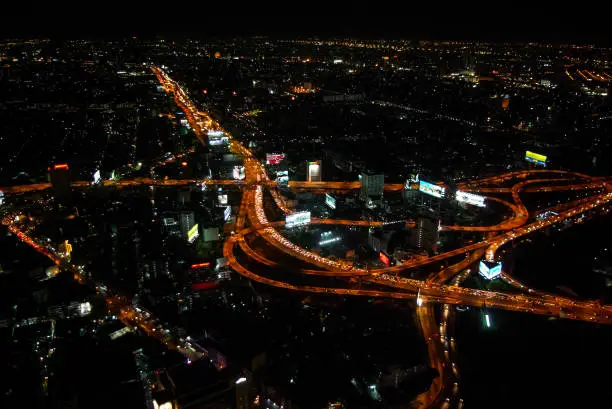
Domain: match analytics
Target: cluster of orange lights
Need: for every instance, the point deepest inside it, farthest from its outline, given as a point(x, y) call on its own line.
point(200, 265)
point(302, 90)
point(59, 166)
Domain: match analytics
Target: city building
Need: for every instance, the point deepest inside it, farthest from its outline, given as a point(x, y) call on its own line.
point(243, 386)
point(425, 234)
point(313, 171)
point(372, 185)
point(187, 224)
point(59, 176)
point(211, 234)
point(171, 225)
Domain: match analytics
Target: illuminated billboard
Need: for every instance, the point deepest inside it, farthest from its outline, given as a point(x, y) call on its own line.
point(193, 233)
point(274, 158)
point(282, 177)
point(227, 213)
point(222, 198)
point(431, 189)
point(330, 201)
point(535, 158)
point(215, 133)
point(238, 172)
point(313, 171)
point(384, 258)
point(470, 198)
point(490, 270)
point(297, 219)
point(96, 176)
point(217, 140)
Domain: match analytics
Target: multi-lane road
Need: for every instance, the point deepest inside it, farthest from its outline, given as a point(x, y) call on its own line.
point(252, 219)
point(389, 281)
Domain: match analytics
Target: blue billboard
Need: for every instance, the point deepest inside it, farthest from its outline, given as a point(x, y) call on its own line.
point(431, 189)
point(490, 270)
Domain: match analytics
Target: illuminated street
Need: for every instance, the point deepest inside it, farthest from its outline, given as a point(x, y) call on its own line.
point(432, 280)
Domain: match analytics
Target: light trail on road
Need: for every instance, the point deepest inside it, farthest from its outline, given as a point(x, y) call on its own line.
point(382, 282)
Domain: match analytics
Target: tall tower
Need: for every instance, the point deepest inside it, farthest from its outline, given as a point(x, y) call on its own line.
point(59, 176)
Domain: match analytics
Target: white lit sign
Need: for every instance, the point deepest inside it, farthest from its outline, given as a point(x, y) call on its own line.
point(217, 140)
point(431, 189)
point(470, 198)
point(297, 219)
point(227, 213)
point(238, 172)
point(84, 308)
point(490, 272)
point(96, 176)
point(165, 405)
point(1, 197)
point(215, 133)
point(222, 199)
point(330, 201)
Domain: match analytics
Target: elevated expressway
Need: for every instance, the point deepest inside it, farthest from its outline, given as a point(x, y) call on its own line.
point(389, 282)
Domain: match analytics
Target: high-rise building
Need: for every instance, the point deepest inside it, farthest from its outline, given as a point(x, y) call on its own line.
point(59, 176)
point(188, 224)
point(243, 386)
point(372, 185)
point(313, 171)
point(425, 234)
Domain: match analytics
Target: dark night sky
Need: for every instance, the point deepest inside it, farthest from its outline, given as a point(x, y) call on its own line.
point(469, 21)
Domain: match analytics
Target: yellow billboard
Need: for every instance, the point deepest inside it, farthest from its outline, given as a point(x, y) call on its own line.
point(535, 157)
point(193, 233)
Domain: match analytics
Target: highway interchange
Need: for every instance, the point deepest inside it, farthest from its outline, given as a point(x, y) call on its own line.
point(386, 282)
